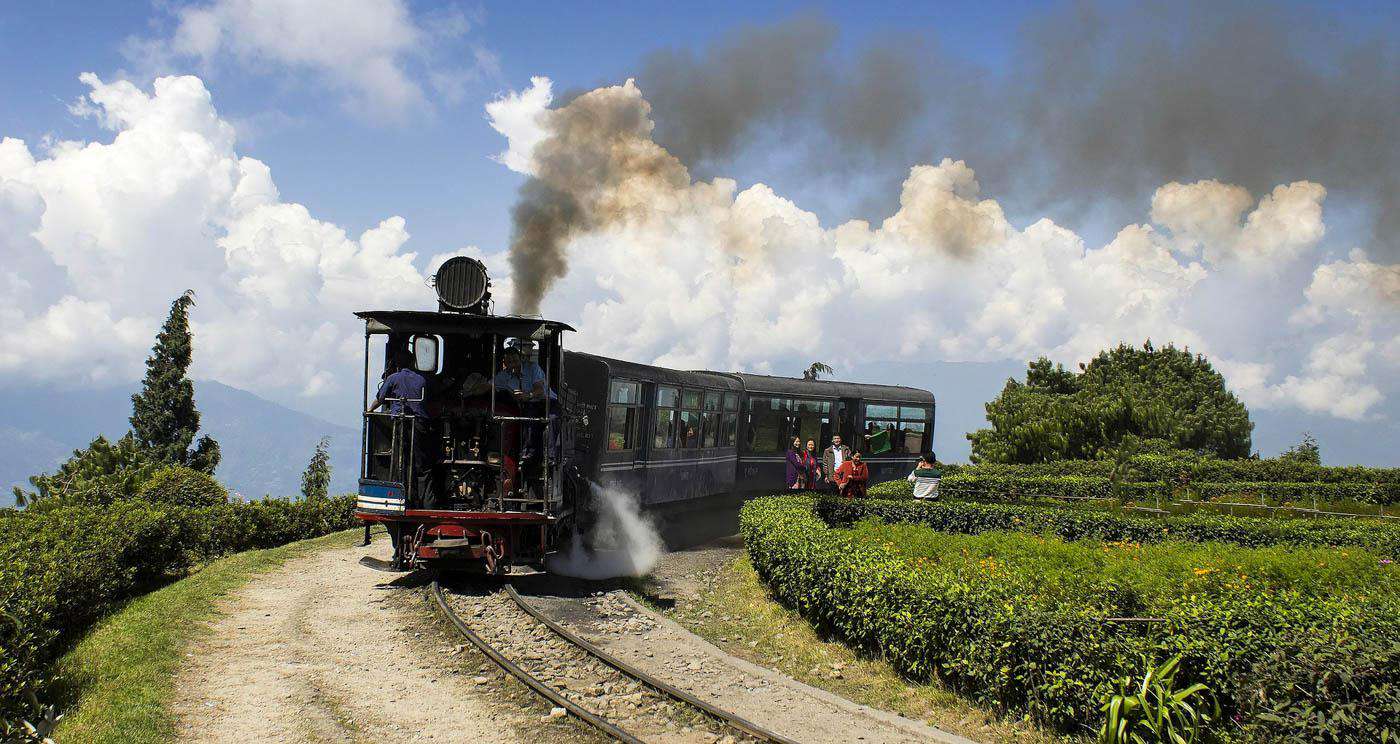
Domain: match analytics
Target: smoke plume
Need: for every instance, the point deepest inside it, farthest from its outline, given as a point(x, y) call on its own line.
point(596, 165)
point(626, 543)
point(1098, 104)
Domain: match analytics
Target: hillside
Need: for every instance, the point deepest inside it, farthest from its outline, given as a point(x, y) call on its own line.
point(265, 445)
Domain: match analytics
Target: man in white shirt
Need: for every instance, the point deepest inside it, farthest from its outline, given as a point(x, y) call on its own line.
point(832, 457)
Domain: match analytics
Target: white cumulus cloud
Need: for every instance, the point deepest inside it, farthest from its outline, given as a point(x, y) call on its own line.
point(106, 234)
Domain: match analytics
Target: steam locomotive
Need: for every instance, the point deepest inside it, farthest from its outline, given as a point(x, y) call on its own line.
point(497, 462)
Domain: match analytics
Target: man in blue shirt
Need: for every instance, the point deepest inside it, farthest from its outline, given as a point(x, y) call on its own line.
point(526, 381)
point(404, 390)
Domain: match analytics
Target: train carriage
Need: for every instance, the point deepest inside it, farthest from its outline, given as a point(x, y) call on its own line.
point(478, 471)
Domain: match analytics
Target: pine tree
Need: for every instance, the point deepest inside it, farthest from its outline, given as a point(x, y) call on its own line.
point(316, 481)
point(163, 416)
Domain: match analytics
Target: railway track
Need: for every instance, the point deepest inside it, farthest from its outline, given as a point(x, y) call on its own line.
point(617, 699)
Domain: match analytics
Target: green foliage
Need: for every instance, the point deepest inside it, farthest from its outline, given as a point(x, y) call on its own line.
point(316, 481)
point(101, 473)
point(816, 369)
point(1078, 523)
point(163, 415)
point(1306, 452)
point(63, 567)
point(1334, 689)
point(1170, 397)
point(177, 485)
point(1026, 623)
point(1153, 710)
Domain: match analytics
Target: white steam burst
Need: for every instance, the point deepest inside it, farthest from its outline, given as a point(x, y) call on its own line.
point(626, 542)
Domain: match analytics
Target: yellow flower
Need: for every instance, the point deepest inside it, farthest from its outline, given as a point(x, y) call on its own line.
point(1204, 571)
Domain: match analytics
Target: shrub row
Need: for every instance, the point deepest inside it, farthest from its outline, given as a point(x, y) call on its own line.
point(1033, 632)
point(977, 484)
point(1202, 470)
point(1076, 523)
point(63, 567)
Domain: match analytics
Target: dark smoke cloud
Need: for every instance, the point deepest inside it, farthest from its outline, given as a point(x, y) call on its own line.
point(1098, 105)
point(597, 166)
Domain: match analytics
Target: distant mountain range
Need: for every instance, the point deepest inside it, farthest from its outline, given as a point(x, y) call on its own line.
point(265, 445)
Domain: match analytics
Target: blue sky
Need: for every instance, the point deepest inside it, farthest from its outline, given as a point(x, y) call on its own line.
point(433, 169)
point(353, 164)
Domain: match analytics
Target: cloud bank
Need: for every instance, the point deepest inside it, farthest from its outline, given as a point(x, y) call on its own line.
point(614, 231)
point(99, 237)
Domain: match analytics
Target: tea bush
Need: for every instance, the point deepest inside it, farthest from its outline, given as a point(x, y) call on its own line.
point(63, 567)
point(178, 485)
point(1011, 483)
point(1028, 623)
point(1075, 523)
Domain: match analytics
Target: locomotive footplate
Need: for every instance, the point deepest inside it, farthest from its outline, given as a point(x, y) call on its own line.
point(493, 540)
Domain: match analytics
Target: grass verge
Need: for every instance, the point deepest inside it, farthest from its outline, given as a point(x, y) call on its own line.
point(116, 681)
point(736, 613)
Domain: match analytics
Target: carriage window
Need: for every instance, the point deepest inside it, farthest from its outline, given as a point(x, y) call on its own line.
point(896, 429)
point(711, 401)
point(667, 397)
point(731, 401)
point(625, 393)
point(667, 418)
point(811, 419)
point(624, 415)
point(728, 425)
point(709, 428)
point(767, 425)
point(688, 433)
point(881, 412)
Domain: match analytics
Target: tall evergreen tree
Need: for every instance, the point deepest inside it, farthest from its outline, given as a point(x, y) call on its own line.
point(163, 416)
point(316, 481)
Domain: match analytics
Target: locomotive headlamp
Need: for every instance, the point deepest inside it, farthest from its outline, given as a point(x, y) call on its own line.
point(463, 285)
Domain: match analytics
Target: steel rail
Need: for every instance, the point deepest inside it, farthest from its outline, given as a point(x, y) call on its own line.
point(742, 724)
point(544, 690)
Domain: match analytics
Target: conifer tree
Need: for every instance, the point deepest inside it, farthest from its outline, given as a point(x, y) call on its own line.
point(164, 419)
point(316, 481)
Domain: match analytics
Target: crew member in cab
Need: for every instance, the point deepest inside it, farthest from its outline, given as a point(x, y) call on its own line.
point(527, 383)
point(404, 390)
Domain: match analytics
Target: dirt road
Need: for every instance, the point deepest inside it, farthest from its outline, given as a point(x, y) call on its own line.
point(325, 650)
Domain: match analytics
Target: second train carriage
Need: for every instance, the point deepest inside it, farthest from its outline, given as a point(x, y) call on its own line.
point(486, 475)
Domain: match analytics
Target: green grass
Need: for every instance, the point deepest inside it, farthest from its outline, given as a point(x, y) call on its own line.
point(117, 681)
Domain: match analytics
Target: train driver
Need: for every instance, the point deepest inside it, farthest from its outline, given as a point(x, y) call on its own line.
point(404, 391)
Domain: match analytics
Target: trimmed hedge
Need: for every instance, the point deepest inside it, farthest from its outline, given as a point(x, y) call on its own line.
point(1006, 637)
point(1000, 484)
point(1073, 523)
point(64, 567)
point(1181, 471)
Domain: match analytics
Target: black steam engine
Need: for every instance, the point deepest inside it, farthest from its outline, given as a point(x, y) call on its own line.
point(484, 442)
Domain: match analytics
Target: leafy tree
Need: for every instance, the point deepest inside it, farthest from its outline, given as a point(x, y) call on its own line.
point(816, 369)
point(1169, 399)
point(1306, 452)
point(163, 416)
point(102, 472)
point(316, 481)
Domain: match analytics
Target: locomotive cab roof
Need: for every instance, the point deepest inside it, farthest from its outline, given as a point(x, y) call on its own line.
point(426, 321)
